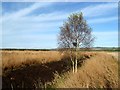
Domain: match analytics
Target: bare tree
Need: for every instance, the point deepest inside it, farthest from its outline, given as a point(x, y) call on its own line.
point(75, 33)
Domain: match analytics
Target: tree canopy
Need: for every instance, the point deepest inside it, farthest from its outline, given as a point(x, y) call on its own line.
point(75, 32)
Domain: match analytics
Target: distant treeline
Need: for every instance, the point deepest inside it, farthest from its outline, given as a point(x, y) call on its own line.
point(29, 49)
point(81, 49)
point(94, 49)
point(107, 49)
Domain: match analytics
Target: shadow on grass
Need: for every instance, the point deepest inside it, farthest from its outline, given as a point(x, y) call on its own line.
point(36, 75)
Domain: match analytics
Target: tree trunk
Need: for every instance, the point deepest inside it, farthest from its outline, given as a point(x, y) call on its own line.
point(76, 64)
point(76, 56)
point(73, 64)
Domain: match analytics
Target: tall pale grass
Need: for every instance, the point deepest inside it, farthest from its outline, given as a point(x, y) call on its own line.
point(17, 58)
point(100, 71)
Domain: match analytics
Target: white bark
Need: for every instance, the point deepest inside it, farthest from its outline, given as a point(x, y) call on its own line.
point(73, 65)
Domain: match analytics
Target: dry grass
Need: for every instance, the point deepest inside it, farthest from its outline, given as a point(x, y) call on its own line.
point(14, 59)
point(100, 71)
point(115, 54)
point(18, 58)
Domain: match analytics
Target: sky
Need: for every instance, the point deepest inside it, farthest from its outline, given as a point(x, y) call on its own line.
point(36, 24)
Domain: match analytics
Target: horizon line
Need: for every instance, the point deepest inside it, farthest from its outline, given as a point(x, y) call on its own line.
point(57, 48)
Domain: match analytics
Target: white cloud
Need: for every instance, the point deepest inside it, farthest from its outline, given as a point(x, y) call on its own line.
point(98, 10)
point(106, 39)
point(30, 37)
point(89, 11)
point(54, 16)
point(106, 33)
point(27, 27)
point(28, 24)
point(102, 20)
point(30, 41)
point(20, 28)
point(25, 11)
point(60, 0)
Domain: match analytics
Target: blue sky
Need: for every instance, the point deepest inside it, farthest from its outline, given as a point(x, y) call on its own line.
point(36, 25)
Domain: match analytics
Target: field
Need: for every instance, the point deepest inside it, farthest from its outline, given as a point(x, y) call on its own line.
point(52, 69)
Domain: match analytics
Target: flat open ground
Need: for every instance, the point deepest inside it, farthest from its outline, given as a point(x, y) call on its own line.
point(41, 69)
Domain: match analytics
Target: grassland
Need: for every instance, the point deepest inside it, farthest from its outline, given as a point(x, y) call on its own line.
point(13, 59)
point(100, 71)
point(51, 69)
